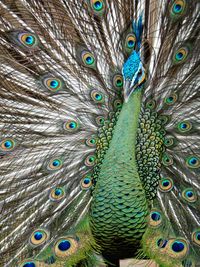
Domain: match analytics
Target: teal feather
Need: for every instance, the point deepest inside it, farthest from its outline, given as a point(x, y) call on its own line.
point(99, 132)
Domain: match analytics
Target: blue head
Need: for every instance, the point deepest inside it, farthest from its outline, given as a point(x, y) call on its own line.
point(133, 71)
point(134, 74)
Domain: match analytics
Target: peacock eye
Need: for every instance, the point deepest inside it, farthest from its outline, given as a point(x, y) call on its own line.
point(91, 141)
point(181, 55)
point(155, 218)
point(65, 247)
point(97, 96)
point(167, 159)
point(178, 248)
point(170, 100)
point(55, 164)
point(30, 263)
point(193, 162)
point(90, 160)
point(53, 84)
point(39, 237)
point(117, 104)
point(57, 194)
point(88, 59)
point(189, 195)
point(7, 144)
point(151, 104)
point(178, 8)
point(196, 237)
point(118, 81)
point(184, 126)
point(130, 42)
point(169, 141)
point(86, 182)
point(100, 120)
point(98, 5)
point(71, 126)
point(28, 39)
point(166, 184)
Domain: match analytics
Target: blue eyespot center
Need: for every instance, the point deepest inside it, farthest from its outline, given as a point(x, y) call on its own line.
point(183, 125)
point(38, 235)
point(54, 84)
point(193, 161)
point(178, 246)
point(8, 144)
point(58, 191)
point(89, 60)
point(98, 5)
point(165, 183)
point(179, 56)
point(64, 245)
point(177, 8)
point(155, 216)
point(198, 236)
point(98, 97)
point(189, 194)
point(72, 125)
point(87, 181)
point(131, 43)
point(56, 163)
point(29, 264)
point(29, 40)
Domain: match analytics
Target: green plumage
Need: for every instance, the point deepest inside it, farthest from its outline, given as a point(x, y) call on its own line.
point(99, 132)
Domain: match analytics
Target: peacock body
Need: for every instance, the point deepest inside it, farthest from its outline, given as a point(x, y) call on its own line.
point(100, 147)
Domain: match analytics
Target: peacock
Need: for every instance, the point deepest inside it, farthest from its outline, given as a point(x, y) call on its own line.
point(99, 132)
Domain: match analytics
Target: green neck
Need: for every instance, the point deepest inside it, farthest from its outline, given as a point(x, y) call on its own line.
point(124, 138)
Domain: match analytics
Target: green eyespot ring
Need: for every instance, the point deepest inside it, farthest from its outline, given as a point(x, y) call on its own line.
point(88, 59)
point(65, 247)
point(178, 8)
point(189, 195)
point(167, 159)
point(71, 126)
point(193, 162)
point(169, 141)
point(7, 144)
point(170, 100)
point(90, 160)
point(151, 104)
point(100, 120)
point(166, 184)
point(181, 55)
point(86, 182)
point(28, 39)
point(196, 237)
point(39, 237)
point(57, 193)
point(97, 97)
point(118, 81)
point(184, 126)
point(155, 218)
point(130, 42)
point(91, 141)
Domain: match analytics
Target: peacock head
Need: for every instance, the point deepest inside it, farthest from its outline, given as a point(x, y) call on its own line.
point(134, 75)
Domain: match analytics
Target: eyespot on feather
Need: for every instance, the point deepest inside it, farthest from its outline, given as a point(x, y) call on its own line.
point(167, 159)
point(28, 39)
point(130, 42)
point(88, 59)
point(55, 164)
point(91, 141)
point(171, 99)
point(7, 144)
point(178, 248)
point(169, 141)
point(193, 162)
point(97, 97)
point(71, 126)
point(53, 84)
point(39, 237)
point(90, 160)
point(100, 120)
point(189, 195)
point(151, 104)
point(184, 126)
point(29, 263)
point(178, 8)
point(181, 55)
point(86, 182)
point(155, 218)
point(117, 104)
point(118, 81)
point(196, 236)
point(57, 193)
point(166, 184)
point(65, 247)
point(98, 7)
